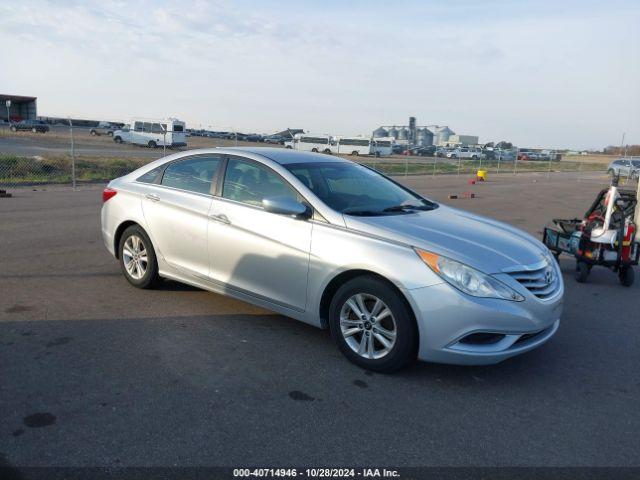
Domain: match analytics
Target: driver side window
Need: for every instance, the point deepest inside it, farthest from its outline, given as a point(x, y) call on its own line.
point(250, 183)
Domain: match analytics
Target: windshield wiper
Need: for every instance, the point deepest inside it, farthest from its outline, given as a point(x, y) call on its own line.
point(405, 207)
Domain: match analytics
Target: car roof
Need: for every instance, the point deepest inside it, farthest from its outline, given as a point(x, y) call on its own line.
point(285, 156)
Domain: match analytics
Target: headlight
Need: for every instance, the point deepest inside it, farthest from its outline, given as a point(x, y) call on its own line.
point(467, 279)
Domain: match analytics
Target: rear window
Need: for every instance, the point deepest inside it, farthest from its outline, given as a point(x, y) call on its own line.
point(178, 128)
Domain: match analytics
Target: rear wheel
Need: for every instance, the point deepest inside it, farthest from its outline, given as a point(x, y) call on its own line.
point(138, 258)
point(93, 132)
point(315, 150)
point(626, 276)
point(327, 151)
point(152, 144)
point(34, 130)
point(355, 153)
point(582, 272)
point(372, 325)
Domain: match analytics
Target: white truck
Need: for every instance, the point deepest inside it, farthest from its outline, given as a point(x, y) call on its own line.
point(153, 133)
point(466, 152)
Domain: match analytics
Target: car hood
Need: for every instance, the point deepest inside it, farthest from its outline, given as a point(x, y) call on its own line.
point(483, 243)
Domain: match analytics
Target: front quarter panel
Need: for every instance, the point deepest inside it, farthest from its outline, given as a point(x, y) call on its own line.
point(335, 250)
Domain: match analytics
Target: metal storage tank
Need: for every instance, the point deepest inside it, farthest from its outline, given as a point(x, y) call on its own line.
point(442, 134)
point(424, 137)
point(403, 133)
point(393, 132)
point(380, 132)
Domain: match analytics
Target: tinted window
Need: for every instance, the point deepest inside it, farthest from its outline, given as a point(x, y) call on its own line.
point(137, 126)
point(151, 176)
point(156, 128)
point(353, 189)
point(250, 183)
point(194, 175)
point(178, 128)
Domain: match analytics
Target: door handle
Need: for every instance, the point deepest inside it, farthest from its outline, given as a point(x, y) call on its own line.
point(153, 197)
point(221, 217)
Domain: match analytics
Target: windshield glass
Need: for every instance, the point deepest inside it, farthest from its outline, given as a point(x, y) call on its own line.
point(353, 189)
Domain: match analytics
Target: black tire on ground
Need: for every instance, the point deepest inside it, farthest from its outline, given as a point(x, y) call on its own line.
point(404, 350)
point(93, 132)
point(117, 140)
point(327, 151)
point(377, 154)
point(314, 150)
point(582, 271)
point(626, 276)
point(110, 134)
point(34, 130)
point(152, 144)
point(150, 279)
point(355, 153)
point(474, 157)
point(289, 147)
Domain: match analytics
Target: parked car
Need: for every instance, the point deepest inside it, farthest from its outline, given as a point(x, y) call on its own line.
point(624, 167)
point(254, 137)
point(275, 139)
point(335, 244)
point(425, 151)
point(35, 126)
point(472, 153)
point(103, 128)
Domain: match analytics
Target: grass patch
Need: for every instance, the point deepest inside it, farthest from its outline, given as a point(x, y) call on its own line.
point(16, 170)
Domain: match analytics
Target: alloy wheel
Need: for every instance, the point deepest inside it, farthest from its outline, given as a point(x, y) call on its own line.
point(368, 326)
point(135, 258)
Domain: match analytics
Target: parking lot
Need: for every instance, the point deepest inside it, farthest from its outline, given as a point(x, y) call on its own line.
point(96, 373)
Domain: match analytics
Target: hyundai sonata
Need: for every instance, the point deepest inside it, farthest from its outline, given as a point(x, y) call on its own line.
point(392, 274)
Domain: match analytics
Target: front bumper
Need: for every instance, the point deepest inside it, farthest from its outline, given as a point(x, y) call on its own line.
point(447, 317)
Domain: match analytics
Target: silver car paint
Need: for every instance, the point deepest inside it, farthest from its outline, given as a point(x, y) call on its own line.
point(285, 264)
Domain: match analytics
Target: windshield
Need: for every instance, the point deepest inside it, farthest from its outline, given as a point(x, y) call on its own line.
point(353, 189)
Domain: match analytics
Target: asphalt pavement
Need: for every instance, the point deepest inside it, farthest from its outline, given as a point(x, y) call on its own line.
point(94, 372)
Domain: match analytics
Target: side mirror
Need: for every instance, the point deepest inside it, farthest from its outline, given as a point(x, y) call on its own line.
point(283, 205)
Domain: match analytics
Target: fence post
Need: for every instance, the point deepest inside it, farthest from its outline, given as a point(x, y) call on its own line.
point(459, 164)
point(579, 170)
point(435, 161)
point(499, 158)
point(515, 164)
point(73, 156)
point(406, 165)
point(549, 169)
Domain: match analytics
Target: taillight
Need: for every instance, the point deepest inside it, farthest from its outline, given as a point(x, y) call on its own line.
point(108, 193)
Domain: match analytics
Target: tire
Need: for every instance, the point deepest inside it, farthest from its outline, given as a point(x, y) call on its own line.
point(34, 130)
point(110, 134)
point(327, 151)
point(93, 132)
point(401, 348)
point(355, 154)
point(117, 140)
point(474, 157)
point(314, 150)
point(152, 144)
point(610, 172)
point(626, 276)
point(131, 268)
point(582, 272)
point(289, 147)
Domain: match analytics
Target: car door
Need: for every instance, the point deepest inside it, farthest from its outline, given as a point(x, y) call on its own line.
point(252, 250)
point(176, 208)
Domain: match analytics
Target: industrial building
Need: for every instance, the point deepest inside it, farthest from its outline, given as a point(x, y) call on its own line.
point(21, 108)
point(424, 135)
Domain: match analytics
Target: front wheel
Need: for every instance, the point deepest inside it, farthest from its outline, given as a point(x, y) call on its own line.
point(117, 140)
point(355, 153)
point(314, 150)
point(372, 325)
point(582, 272)
point(152, 144)
point(93, 133)
point(138, 258)
point(34, 130)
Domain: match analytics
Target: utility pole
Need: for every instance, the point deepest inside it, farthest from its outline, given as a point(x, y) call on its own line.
point(8, 105)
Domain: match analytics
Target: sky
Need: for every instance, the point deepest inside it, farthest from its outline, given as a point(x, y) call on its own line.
point(556, 74)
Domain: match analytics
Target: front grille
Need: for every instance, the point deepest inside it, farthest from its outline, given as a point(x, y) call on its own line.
point(540, 279)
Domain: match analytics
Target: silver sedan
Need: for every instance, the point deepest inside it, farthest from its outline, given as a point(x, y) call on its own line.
point(335, 244)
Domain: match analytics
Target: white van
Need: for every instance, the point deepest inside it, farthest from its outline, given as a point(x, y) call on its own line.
point(312, 143)
point(153, 133)
point(383, 146)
